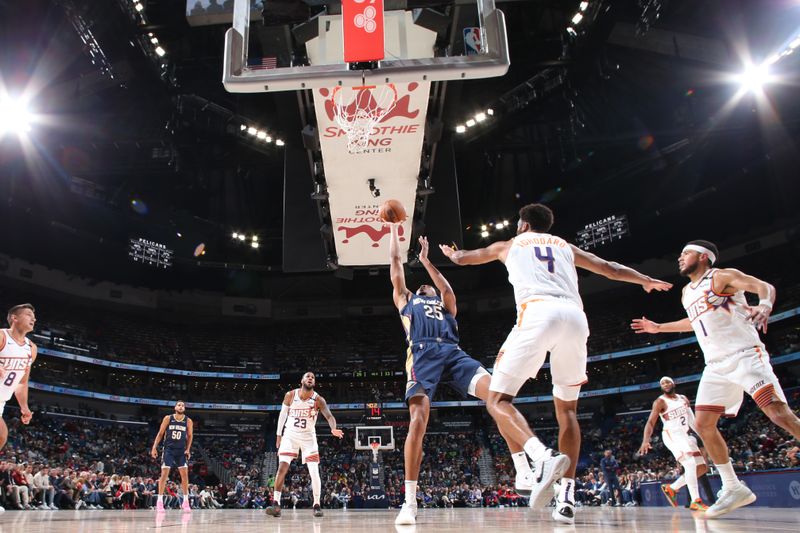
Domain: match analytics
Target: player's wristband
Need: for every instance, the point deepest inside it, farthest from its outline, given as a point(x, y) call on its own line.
point(766, 303)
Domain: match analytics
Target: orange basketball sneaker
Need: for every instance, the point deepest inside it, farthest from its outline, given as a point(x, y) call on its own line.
point(698, 505)
point(670, 494)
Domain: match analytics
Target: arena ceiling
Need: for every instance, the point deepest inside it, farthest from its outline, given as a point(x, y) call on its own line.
point(635, 116)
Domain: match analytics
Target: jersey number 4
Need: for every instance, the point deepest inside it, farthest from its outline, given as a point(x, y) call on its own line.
point(547, 256)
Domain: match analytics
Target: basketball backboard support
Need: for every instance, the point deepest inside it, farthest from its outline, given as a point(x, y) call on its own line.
point(491, 60)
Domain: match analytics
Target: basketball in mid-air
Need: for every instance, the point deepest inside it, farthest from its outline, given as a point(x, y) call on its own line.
point(392, 211)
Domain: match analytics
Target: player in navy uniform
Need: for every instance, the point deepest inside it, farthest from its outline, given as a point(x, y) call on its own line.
point(176, 429)
point(433, 356)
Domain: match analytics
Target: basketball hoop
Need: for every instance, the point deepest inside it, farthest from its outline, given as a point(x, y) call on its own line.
point(374, 445)
point(358, 110)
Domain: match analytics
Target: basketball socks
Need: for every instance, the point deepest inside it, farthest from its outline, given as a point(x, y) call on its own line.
point(566, 491)
point(411, 493)
point(535, 449)
point(160, 498)
point(691, 482)
point(276, 497)
point(678, 484)
point(521, 463)
point(728, 476)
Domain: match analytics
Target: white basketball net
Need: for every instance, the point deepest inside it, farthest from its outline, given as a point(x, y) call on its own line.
point(357, 110)
point(374, 446)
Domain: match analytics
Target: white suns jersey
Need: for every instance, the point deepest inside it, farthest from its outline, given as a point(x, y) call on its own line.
point(302, 414)
point(678, 415)
point(719, 320)
point(542, 266)
point(15, 360)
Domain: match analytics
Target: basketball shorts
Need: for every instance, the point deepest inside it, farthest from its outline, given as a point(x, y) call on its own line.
point(683, 446)
point(174, 458)
point(543, 326)
point(431, 363)
point(723, 383)
point(294, 443)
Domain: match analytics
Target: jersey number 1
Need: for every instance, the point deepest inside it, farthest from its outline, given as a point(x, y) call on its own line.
point(548, 256)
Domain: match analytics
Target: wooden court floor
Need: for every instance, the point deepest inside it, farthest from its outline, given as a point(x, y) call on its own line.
point(619, 520)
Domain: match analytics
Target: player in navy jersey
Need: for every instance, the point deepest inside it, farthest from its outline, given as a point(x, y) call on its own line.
point(433, 356)
point(176, 430)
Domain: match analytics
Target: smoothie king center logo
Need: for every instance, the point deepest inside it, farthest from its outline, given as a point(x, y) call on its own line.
point(365, 217)
point(381, 135)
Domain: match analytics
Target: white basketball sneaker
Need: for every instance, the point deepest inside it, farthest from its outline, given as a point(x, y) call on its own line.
point(565, 507)
point(730, 499)
point(546, 472)
point(407, 516)
point(523, 483)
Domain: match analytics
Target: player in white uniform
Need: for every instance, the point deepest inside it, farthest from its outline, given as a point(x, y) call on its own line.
point(736, 360)
point(17, 354)
point(550, 318)
point(299, 417)
point(677, 419)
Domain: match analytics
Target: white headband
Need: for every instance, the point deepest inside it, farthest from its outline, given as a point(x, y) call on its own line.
point(701, 250)
point(666, 378)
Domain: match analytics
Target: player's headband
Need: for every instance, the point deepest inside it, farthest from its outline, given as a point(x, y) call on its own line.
point(701, 250)
point(666, 378)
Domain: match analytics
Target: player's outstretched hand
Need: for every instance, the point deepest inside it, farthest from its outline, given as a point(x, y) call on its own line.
point(448, 251)
point(423, 248)
point(153, 453)
point(656, 285)
point(642, 325)
point(338, 433)
point(25, 416)
point(644, 448)
point(759, 316)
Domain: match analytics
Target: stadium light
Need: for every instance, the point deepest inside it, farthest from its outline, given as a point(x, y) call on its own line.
point(138, 7)
point(583, 6)
point(254, 244)
point(251, 130)
point(577, 18)
point(14, 116)
point(480, 117)
point(484, 234)
point(461, 128)
point(160, 51)
point(754, 77)
point(470, 123)
point(499, 225)
point(235, 235)
point(242, 237)
point(279, 142)
point(490, 112)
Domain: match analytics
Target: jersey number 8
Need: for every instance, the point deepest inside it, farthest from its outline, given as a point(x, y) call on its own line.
point(10, 379)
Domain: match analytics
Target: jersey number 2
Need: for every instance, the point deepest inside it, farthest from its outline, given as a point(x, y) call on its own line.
point(548, 256)
point(10, 379)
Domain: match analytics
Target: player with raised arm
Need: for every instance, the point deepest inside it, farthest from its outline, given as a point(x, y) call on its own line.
point(177, 431)
point(17, 354)
point(736, 360)
point(677, 419)
point(550, 318)
point(433, 356)
point(299, 416)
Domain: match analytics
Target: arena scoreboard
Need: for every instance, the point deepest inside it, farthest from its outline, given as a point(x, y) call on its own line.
point(603, 231)
point(150, 253)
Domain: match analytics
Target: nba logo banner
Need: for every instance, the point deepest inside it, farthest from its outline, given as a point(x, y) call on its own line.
point(362, 30)
point(472, 41)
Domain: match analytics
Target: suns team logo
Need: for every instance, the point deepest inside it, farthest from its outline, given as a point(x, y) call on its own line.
point(716, 301)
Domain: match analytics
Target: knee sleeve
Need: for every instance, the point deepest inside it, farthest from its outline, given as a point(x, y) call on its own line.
point(473, 384)
point(568, 393)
